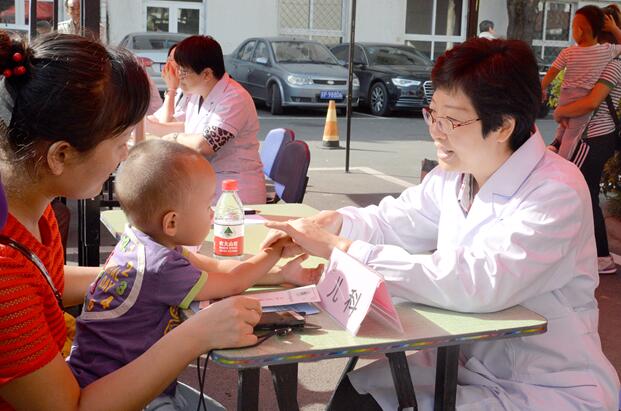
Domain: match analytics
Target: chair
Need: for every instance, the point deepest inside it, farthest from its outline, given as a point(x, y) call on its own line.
point(290, 172)
point(275, 140)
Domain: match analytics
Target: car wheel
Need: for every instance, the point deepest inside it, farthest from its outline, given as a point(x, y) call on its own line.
point(378, 100)
point(275, 100)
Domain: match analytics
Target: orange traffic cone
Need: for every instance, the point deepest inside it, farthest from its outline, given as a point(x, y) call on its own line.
point(331, 130)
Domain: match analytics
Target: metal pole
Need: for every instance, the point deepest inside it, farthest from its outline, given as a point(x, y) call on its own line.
point(90, 16)
point(55, 22)
point(350, 87)
point(473, 18)
point(33, 19)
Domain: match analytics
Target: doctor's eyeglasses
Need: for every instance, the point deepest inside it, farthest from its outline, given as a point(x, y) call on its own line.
point(445, 125)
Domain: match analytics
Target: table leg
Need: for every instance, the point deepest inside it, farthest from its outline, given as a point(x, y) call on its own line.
point(351, 364)
point(248, 389)
point(285, 378)
point(88, 232)
point(402, 380)
point(446, 378)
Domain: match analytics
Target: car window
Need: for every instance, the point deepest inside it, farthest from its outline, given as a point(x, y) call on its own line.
point(246, 52)
point(302, 52)
point(341, 52)
point(153, 43)
point(261, 51)
point(396, 56)
point(124, 42)
point(359, 57)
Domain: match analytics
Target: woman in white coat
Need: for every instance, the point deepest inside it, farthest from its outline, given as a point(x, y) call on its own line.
point(510, 223)
point(220, 117)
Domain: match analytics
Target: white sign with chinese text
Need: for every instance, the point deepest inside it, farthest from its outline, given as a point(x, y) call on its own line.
point(349, 290)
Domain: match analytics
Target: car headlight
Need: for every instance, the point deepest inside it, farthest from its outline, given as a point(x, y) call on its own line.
point(356, 82)
point(295, 80)
point(403, 82)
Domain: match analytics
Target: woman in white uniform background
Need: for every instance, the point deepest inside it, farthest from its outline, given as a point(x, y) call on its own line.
point(510, 223)
point(220, 117)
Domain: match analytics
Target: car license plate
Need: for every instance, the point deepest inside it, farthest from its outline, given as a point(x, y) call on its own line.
point(331, 95)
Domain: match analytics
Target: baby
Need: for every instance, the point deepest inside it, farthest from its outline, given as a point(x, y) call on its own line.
point(583, 64)
point(166, 190)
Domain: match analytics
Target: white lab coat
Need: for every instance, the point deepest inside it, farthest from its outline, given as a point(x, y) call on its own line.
point(527, 239)
point(229, 106)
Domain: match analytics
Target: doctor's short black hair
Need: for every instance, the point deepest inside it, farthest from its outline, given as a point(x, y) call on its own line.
point(199, 53)
point(501, 79)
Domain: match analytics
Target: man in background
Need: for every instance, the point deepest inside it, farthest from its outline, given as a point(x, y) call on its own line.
point(486, 30)
point(71, 26)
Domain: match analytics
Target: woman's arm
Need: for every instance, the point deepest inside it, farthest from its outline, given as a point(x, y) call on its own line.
point(171, 78)
point(585, 104)
point(77, 281)
point(153, 126)
point(193, 140)
point(227, 323)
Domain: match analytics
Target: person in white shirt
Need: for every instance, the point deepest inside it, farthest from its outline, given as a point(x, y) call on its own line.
point(220, 118)
point(486, 30)
point(72, 25)
point(508, 223)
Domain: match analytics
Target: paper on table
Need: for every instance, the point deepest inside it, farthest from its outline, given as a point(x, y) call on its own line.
point(254, 219)
point(306, 294)
point(306, 308)
point(349, 290)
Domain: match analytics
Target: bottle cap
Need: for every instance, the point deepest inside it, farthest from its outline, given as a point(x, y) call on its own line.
point(229, 185)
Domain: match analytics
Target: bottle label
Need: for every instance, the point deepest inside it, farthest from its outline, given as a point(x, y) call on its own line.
point(228, 240)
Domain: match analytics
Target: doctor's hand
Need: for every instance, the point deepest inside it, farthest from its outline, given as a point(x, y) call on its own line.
point(329, 220)
point(311, 236)
point(170, 75)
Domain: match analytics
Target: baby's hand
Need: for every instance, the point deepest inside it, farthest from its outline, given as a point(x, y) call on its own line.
point(294, 273)
point(279, 246)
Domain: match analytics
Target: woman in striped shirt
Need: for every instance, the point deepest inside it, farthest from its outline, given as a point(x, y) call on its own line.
point(600, 133)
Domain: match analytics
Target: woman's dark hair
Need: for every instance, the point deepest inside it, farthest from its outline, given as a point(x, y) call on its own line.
point(500, 78)
point(199, 53)
point(595, 16)
point(73, 90)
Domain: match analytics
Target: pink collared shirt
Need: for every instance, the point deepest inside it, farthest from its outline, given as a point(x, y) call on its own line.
point(229, 107)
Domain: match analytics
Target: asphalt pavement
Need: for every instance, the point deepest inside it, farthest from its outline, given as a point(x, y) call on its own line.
point(385, 158)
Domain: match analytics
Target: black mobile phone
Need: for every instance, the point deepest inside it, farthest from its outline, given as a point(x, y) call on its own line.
point(281, 319)
point(249, 211)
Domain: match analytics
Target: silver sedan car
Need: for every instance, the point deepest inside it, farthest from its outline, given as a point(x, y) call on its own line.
point(285, 72)
point(151, 48)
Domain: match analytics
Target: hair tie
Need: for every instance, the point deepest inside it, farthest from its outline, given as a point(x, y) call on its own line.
point(19, 70)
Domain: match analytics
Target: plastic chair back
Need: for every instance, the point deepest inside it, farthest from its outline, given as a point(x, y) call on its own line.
point(290, 172)
point(273, 144)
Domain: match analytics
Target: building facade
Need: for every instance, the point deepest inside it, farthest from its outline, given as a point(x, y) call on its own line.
point(430, 25)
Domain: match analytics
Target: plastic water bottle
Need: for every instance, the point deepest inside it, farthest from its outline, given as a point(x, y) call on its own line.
point(228, 226)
